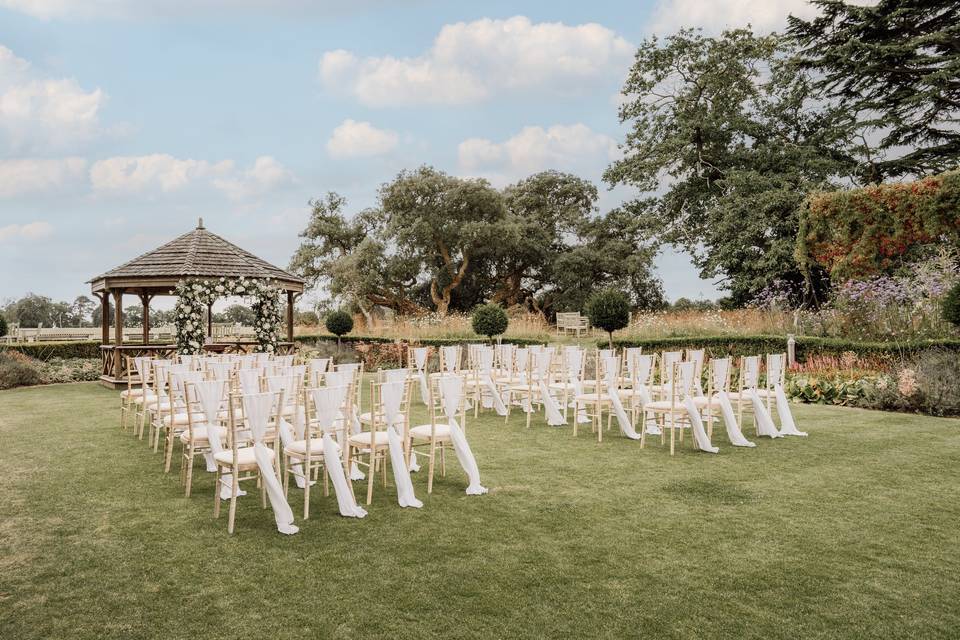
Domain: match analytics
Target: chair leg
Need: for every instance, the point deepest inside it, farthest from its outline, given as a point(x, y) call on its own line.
point(433, 452)
point(233, 500)
point(263, 491)
point(306, 488)
point(189, 478)
point(671, 433)
point(216, 493)
point(372, 472)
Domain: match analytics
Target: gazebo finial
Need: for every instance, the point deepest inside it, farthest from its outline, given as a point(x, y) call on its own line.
point(200, 223)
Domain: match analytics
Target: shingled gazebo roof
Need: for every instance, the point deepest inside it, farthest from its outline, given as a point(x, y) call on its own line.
point(197, 254)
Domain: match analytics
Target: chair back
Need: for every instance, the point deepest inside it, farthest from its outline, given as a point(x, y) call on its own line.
point(776, 369)
point(749, 372)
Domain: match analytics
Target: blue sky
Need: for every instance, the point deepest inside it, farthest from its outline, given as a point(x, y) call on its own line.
point(122, 122)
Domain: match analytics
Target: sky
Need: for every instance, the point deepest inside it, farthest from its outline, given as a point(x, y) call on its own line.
point(124, 121)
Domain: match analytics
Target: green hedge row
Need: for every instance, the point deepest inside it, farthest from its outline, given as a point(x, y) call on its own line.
point(427, 342)
point(805, 346)
point(47, 350)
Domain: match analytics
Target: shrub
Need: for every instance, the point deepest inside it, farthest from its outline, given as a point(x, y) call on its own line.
point(307, 318)
point(950, 305)
point(339, 323)
point(16, 370)
point(490, 320)
point(3, 326)
point(49, 350)
point(69, 370)
point(608, 310)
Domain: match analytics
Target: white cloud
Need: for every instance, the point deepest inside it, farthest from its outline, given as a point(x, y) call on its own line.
point(471, 61)
point(716, 15)
point(354, 139)
point(164, 173)
point(44, 112)
point(564, 147)
point(27, 175)
point(30, 231)
point(264, 176)
point(157, 171)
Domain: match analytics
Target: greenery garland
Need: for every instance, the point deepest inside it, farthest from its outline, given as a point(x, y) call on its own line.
point(194, 296)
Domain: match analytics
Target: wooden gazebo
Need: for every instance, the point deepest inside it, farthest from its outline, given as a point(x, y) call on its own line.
point(197, 254)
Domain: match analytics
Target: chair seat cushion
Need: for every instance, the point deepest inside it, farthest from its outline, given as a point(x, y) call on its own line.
point(736, 395)
point(199, 435)
point(245, 457)
point(664, 405)
point(363, 439)
point(180, 418)
point(592, 397)
point(298, 448)
point(422, 432)
point(131, 393)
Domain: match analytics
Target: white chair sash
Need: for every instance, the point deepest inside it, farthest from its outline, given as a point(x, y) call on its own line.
point(610, 380)
point(542, 366)
point(420, 363)
point(574, 357)
point(391, 395)
point(210, 396)
point(492, 398)
point(249, 381)
point(451, 357)
point(256, 412)
point(787, 426)
point(451, 392)
point(328, 402)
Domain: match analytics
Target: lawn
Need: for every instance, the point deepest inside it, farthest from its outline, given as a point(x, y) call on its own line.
point(851, 532)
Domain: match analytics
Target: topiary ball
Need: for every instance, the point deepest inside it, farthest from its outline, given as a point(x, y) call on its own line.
point(339, 323)
point(490, 320)
point(608, 310)
point(950, 306)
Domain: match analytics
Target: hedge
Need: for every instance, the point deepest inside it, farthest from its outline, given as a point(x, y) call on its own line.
point(423, 342)
point(48, 350)
point(859, 232)
point(759, 344)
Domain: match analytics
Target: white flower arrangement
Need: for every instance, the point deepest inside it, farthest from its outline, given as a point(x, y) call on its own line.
point(195, 295)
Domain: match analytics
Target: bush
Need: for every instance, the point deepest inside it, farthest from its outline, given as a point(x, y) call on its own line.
point(48, 350)
point(307, 319)
point(16, 370)
point(339, 323)
point(3, 326)
point(608, 310)
point(490, 320)
point(950, 305)
point(69, 370)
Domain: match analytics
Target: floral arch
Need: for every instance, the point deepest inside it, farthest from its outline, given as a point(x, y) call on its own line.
point(195, 296)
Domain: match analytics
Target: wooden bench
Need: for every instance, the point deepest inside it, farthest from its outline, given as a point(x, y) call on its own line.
point(572, 321)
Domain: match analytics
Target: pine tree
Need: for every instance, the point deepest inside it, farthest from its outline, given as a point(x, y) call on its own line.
point(896, 67)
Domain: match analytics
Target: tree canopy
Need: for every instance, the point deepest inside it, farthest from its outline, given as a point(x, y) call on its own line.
point(436, 242)
point(894, 66)
point(735, 133)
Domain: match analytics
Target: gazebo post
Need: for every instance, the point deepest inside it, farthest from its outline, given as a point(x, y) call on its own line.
point(145, 301)
point(289, 316)
point(104, 316)
point(117, 331)
point(209, 318)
